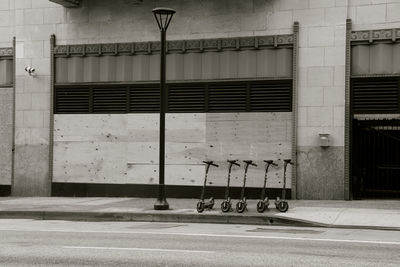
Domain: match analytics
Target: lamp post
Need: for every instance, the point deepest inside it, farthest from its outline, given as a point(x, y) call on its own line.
point(163, 17)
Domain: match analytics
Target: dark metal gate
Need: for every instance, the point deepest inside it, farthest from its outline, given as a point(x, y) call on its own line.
point(376, 159)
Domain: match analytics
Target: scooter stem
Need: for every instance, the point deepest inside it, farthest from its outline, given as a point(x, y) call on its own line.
point(286, 162)
point(265, 181)
point(229, 180)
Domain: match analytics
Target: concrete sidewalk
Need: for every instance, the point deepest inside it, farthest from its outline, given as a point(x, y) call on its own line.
point(367, 214)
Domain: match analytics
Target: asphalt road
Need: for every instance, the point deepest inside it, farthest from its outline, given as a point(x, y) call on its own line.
point(62, 243)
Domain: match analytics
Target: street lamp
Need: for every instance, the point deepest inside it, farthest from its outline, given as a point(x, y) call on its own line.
point(163, 17)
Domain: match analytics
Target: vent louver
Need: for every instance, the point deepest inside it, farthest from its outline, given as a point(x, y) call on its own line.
point(186, 98)
point(72, 100)
point(145, 98)
point(109, 100)
point(241, 96)
point(375, 95)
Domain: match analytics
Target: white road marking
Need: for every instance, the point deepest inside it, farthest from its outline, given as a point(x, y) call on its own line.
point(214, 235)
point(141, 249)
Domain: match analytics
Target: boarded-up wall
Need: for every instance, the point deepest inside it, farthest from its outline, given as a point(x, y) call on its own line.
point(123, 148)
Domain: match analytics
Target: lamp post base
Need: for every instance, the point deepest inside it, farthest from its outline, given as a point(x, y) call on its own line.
point(161, 204)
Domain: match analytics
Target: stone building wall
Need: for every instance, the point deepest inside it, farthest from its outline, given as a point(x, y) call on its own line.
point(321, 72)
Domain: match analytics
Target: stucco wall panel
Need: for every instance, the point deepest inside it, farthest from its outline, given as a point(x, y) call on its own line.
point(6, 73)
point(31, 170)
point(6, 95)
point(320, 172)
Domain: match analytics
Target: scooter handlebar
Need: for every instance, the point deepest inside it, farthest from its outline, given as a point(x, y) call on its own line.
point(234, 162)
point(288, 161)
point(250, 162)
point(211, 163)
point(270, 162)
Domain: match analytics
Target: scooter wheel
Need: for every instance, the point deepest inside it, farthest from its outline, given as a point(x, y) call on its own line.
point(240, 206)
point(261, 206)
point(266, 201)
point(200, 206)
point(226, 206)
point(211, 203)
point(283, 206)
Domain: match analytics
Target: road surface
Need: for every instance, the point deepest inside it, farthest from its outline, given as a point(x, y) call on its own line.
point(63, 243)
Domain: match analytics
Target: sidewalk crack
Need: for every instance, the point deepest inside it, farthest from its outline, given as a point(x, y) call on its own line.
point(337, 216)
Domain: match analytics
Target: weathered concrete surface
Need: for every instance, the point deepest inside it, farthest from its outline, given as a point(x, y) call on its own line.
point(6, 107)
point(31, 169)
point(123, 148)
point(320, 173)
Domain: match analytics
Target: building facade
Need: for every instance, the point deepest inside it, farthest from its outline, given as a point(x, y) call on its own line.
point(316, 81)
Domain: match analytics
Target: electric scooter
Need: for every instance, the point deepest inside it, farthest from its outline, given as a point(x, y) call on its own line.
point(263, 203)
point(202, 204)
point(280, 203)
point(226, 205)
point(242, 204)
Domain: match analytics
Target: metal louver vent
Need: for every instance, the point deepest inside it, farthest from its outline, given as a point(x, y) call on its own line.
point(72, 100)
point(227, 97)
point(271, 96)
point(375, 95)
point(241, 96)
point(109, 100)
point(144, 99)
point(186, 98)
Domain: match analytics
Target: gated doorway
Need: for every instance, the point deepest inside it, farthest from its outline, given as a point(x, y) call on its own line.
point(376, 158)
point(375, 146)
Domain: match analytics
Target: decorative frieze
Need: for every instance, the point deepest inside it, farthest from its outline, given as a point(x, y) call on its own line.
point(6, 52)
point(183, 46)
point(370, 36)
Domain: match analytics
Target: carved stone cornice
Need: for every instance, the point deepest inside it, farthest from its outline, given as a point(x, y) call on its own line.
point(182, 46)
point(67, 3)
point(369, 36)
point(6, 52)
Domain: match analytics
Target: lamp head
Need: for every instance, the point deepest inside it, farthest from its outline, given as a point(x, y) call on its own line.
point(163, 17)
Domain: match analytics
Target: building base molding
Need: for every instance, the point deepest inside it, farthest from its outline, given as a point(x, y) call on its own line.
point(145, 190)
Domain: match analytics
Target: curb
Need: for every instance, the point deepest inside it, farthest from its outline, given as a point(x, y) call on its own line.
point(155, 217)
point(178, 218)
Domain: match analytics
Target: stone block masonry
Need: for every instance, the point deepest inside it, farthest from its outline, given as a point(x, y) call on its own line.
point(321, 82)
